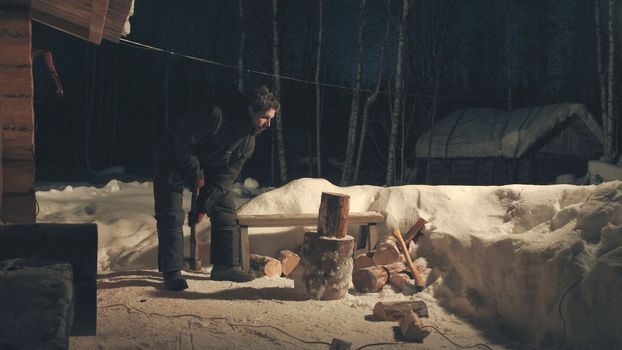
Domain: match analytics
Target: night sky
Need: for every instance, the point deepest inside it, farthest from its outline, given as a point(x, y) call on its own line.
point(119, 98)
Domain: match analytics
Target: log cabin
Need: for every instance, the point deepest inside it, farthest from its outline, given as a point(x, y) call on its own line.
point(90, 20)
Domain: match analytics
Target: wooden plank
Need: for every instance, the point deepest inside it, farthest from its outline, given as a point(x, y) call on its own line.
point(99, 10)
point(275, 220)
point(18, 208)
point(16, 80)
point(15, 35)
point(77, 12)
point(17, 112)
point(18, 144)
point(72, 243)
point(118, 12)
point(80, 31)
point(18, 176)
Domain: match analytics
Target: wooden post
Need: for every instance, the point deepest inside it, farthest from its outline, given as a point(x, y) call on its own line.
point(17, 201)
point(333, 216)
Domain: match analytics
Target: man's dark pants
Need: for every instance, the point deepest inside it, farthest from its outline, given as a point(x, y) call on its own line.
point(169, 215)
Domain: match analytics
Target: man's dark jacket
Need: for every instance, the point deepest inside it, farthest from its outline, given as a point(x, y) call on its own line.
point(211, 142)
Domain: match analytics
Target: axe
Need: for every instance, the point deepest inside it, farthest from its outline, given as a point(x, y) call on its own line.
point(193, 263)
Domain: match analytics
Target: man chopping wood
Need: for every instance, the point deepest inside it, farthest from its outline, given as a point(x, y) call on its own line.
point(205, 153)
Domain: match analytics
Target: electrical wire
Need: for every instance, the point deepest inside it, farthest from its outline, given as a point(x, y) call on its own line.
point(143, 46)
point(129, 309)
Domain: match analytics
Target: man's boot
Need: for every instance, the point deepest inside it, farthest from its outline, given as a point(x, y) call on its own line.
point(233, 274)
point(174, 281)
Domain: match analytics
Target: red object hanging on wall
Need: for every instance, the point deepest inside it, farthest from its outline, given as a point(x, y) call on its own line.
point(49, 62)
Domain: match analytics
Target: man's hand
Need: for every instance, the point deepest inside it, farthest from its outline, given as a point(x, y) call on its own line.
point(200, 183)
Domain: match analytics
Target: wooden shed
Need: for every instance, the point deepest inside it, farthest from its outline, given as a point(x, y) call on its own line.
point(91, 20)
point(487, 146)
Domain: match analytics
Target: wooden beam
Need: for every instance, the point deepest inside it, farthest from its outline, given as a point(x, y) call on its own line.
point(18, 208)
point(282, 220)
point(17, 144)
point(16, 80)
point(15, 36)
point(118, 12)
point(18, 176)
point(60, 24)
point(99, 10)
point(17, 112)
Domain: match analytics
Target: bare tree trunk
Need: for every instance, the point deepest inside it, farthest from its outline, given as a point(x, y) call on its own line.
point(432, 122)
point(508, 54)
point(370, 99)
point(91, 106)
point(346, 174)
point(318, 108)
point(601, 78)
point(272, 157)
point(610, 151)
point(397, 100)
point(277, 91)
point(242, 44)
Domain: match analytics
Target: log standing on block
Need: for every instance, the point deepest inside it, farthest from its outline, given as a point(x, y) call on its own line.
point(325, 268)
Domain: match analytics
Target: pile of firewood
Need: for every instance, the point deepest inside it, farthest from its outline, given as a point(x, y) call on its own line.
point(407, 314)
point(389, 263)
point(282, 264)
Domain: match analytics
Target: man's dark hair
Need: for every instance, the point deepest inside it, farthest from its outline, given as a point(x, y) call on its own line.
point(261, 99)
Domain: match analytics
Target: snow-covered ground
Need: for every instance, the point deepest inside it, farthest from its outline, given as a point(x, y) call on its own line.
point(512, 266)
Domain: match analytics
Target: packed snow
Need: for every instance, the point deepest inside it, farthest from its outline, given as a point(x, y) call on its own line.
point(511, 266)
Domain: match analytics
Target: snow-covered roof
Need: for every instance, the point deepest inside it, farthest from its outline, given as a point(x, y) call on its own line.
point(491, 132)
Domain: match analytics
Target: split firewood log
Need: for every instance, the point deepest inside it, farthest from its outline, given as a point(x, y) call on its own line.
point(412, 327)
point(395, 310)
point(400, 280)
point(372, 279)
point(265, 265)
point(362, 261)
point(289, 260)
point(333, 214)
point(386, 252)
point(415, 231)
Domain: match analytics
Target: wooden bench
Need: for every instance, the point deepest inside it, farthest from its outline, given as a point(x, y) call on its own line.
point(367, 221)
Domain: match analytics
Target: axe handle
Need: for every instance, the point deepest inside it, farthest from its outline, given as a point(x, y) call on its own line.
point(418, 280)
point(194, 242)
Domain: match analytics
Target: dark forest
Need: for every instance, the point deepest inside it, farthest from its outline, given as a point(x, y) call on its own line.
point(457, 54)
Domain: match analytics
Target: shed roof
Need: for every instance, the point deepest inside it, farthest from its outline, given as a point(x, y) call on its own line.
point(91, 20)
point(491, 132)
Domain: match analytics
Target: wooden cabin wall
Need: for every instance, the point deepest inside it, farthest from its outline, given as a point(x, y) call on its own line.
point(479, 171)
point(576, 140)
point(534, 169)
point(16, 114)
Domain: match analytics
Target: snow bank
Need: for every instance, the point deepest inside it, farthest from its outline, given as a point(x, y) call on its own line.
point(501, 255)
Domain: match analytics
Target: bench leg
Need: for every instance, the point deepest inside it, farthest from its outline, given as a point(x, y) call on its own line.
point(372, 237)
point(368, 236)
point(245, 263)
